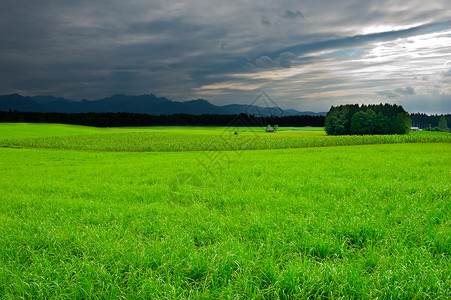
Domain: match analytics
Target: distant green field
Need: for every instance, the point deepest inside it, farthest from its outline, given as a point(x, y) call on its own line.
point(31, 130)
point(305, 131)
point(194, 138)
point(352, 222)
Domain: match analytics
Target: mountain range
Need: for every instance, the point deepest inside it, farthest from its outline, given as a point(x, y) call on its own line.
point(145, 104)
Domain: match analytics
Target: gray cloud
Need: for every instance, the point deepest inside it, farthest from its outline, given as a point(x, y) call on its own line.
point(432, 103)
point(266, 21)
point(388, 94)
point(291, 14)
point(91, 49)
point(284, 60)
point(397, 93)
point(265, 62)
point(406, 91)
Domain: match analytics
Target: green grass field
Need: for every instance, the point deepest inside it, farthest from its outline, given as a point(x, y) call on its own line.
point(170, 139)
point(356, 222)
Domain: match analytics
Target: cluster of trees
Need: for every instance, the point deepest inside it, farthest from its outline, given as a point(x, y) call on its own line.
point(354, 119)
point(133, 119)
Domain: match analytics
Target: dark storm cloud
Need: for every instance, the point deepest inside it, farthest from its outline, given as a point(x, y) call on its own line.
point(90, 49)
point(73, 50)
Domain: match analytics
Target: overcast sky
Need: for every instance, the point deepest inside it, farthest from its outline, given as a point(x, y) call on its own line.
point(306, 55)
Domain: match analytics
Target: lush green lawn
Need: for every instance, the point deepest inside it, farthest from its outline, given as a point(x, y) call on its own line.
point(368, 221)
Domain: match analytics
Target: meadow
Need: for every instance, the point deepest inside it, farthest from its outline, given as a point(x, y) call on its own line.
point(171, 139)
point(350, 221)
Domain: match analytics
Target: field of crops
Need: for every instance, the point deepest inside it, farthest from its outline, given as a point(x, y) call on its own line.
point(202, 139)
point(360, 221)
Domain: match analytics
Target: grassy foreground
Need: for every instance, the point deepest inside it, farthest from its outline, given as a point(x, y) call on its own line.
point(371, 221)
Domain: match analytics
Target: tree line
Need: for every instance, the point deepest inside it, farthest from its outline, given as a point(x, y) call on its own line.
point(355, 119)
point(133, 119)
point(425, 121)
point(419, 120)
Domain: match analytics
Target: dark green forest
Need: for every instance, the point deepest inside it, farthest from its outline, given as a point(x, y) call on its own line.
point(133, 119)
point(425, 121)
point(354, 119)
point(419, 120)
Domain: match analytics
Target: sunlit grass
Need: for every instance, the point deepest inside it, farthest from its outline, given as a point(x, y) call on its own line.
point(367, 222)
point(168, 142)
point(31, 130)
point(200, 138)
point(360, 222)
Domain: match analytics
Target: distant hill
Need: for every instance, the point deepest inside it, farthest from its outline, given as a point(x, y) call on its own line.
point(144, 104)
